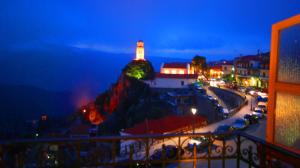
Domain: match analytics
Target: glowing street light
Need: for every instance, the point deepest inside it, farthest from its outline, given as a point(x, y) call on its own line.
point(194, 111)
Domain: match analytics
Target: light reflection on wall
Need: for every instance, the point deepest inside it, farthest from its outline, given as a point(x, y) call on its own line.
point(287, 120)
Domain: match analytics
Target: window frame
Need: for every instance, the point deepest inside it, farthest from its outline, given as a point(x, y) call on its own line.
point(275, 85)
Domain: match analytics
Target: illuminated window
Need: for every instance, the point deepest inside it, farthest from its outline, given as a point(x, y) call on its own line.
point(166, 71)
point(173, 71)
point(181, 71)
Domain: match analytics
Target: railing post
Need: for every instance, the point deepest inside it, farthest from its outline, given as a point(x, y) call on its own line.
point(238, 150)
point(78, 155)
point(1, 157)
point(164, 155)
point(147, 152)
point(130, 155)
point(261, 150)
point(194, 156)
point(179, 152)
point(223, 152)
point(114, 148)
point(250, 156)
point(209, 150)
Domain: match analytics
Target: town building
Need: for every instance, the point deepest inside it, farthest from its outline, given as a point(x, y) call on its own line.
point(176, 68)
point(174, 75)
point(220, 69)
point(252, 70)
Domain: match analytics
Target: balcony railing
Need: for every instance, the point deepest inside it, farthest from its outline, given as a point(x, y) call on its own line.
point(215, 150)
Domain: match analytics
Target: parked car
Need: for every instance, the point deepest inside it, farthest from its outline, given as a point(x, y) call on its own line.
point(258, 112)
point(252, 92)
point(219, 108)
point(213, 100)
point(223, 111)
point(170, 153)
point(223, 132)
point(253, 119)
point(201, 143)
point(263, 106)
point(242, 89)
point(210, 97)
point(201, 90)
point(240, 124)
point(262, 98)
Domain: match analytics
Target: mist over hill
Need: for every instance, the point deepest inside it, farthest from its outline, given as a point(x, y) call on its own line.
point(55, 81)
point(85, 73)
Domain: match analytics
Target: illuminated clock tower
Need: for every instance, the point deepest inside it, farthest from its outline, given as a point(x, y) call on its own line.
point(139, 50)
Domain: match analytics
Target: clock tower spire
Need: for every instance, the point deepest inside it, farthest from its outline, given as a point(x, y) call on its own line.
point(140, 50)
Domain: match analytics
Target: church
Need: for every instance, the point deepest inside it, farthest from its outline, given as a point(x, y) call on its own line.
point(172, 75)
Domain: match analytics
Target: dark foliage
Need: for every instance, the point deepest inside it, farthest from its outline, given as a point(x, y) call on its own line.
point(139, 69)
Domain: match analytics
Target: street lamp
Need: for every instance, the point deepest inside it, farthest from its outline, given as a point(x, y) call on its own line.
point(194, 111)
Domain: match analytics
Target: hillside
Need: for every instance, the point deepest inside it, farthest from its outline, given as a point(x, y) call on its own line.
point(126, 103)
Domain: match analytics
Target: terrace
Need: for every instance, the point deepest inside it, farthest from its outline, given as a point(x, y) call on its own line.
point(221, 150)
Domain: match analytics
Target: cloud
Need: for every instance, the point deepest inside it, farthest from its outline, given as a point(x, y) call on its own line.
point(104, 48)
point(192, 51)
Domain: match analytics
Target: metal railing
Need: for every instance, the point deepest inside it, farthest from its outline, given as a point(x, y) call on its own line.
point(215, 150)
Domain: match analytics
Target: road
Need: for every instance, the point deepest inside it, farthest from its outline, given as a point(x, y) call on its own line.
point(240, 114)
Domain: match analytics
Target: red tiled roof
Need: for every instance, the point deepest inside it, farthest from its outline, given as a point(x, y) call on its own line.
point(175, 65)
point(177, 76)
point(167, 124)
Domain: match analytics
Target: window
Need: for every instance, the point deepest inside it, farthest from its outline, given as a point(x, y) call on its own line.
point(283, 122)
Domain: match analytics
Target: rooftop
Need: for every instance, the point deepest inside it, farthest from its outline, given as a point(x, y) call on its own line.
point(175, 65)
point(164, 125)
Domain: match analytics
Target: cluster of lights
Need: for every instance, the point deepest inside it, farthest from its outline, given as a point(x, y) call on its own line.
point(217, 73)
point(173, 71)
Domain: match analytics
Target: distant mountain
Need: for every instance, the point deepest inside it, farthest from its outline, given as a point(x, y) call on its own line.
point(31, 79)
point(85, 73)
point(19, 103)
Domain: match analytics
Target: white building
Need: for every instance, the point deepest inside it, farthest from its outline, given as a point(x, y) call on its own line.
point(172, 80)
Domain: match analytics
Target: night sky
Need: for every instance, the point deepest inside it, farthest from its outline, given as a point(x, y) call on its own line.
point(82, 46)
point(170, 28)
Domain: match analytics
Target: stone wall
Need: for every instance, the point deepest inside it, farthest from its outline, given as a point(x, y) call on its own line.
point(230, 98)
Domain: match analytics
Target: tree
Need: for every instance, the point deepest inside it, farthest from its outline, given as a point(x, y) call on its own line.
point(139, 69)
point(199, 65)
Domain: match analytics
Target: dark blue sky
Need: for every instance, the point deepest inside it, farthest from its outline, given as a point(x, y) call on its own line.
point(170, 28)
